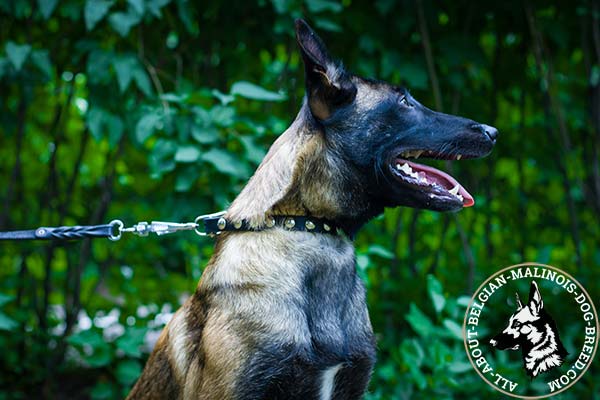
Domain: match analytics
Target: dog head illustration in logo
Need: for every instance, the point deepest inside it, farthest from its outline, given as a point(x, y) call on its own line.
point(532, 330)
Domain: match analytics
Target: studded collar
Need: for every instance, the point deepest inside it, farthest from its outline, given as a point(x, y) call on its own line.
point(216, 224)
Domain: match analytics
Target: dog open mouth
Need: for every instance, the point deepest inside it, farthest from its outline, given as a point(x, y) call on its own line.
point(428, 179)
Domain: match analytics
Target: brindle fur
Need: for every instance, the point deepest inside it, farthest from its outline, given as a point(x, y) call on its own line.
point(276, 308)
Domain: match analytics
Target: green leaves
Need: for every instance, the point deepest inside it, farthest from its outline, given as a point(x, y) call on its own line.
point(131, 341)
point(17, 54)
point(128, 371)
point(94, 11)
point(7, 323)
point(4, 299)
point(123, 22)
point(434, 288)
point(146, 126)
point(255, 92)
point(41, 59)
point(124, 64)
point(226, 163)
point(419, 321)
point(127, 68)
point(46, 7)
point(187, 154)
point(103, 123)
point(92, 347)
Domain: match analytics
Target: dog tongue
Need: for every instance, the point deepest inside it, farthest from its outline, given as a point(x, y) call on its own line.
point(443, 179)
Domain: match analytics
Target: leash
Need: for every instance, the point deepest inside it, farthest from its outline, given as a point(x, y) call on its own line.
point(204, 225)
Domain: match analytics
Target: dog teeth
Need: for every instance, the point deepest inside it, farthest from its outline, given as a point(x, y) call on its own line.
point(458, 157)
point(460, 197)
point(408, 170)
point(454, 190)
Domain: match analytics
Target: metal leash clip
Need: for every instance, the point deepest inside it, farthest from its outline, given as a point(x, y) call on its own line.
point(161, 227)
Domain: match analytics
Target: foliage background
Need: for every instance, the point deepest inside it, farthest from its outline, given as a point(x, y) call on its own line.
point(160, 110)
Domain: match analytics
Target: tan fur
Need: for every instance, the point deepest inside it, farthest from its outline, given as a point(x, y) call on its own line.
point(295, 178)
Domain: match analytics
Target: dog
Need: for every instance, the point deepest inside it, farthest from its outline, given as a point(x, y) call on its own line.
point(280, 311)
point(532, 330)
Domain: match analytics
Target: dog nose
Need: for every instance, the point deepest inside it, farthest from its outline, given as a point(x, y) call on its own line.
point(490, 131)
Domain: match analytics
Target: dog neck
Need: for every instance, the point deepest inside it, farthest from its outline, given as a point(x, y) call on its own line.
point(303, 175)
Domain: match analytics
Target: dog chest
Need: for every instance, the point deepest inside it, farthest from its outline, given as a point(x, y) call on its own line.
point(297, 308)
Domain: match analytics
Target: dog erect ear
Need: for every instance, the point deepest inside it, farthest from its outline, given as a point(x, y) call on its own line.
point(535, 299)
point(327, 84)
point(519, 304)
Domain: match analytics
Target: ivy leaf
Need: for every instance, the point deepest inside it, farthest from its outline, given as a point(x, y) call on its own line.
point(225, 163)
point(187, 17)
point(17, 54)
point(5, 298)
point(419, 321)
point(255, 92)
point(454, 328)
point(46, 7)
point(127, 68)
point(206, 135)
point(101, 122)
point(434, 287)
point(94, 119)
point(146, 126)
point(94, 11)
point(115, 127)
point(254, 153)
point(41, 59)
point(161, 158)
point(98, 67)
point(141, 79)
point(222, 97)
point(380, 251)
point(123, 65)
point(7, 323)
point(220, 116)
point(154, 6)
point(123, 22)
point(187, 154)
point(137, 6)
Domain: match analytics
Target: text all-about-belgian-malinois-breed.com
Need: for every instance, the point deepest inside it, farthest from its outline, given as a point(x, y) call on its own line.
point(280, 312)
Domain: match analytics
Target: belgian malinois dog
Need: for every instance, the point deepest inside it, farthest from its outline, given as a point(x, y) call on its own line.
point(280, 312)
point(531, 329)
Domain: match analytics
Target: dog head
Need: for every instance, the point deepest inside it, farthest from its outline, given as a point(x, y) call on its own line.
point(523, 325)
point(376, 128)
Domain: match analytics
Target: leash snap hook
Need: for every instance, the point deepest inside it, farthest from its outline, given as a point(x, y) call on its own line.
point(163, 228)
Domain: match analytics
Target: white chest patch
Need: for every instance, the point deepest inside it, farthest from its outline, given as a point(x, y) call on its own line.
point(328, 382)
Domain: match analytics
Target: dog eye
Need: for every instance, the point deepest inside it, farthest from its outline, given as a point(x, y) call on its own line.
point(404, 101)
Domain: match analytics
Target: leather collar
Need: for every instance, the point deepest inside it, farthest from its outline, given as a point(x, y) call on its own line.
point(216, 224)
